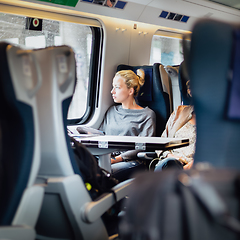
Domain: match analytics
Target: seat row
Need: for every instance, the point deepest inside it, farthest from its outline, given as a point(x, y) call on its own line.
point(164, 90)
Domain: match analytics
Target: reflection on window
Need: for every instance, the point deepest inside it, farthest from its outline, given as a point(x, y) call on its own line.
point(55, 33)
point(166, 50)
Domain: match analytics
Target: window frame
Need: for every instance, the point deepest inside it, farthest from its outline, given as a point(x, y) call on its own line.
point(94, 73)
point(59, 14)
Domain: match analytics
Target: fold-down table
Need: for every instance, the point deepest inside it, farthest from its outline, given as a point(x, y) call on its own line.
point(103, 145)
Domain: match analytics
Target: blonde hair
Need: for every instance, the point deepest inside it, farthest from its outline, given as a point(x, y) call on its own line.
point(133, 80)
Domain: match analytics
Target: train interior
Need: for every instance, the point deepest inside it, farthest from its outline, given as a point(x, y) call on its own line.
point(57, 62)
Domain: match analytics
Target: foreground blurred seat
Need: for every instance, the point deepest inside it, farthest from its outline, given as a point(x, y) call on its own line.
point(68, 211)
point(202, 203)
point(20, 198)
point(213, 64)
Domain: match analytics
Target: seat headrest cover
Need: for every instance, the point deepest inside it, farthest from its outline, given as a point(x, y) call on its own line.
point(183, 78)
point(145, 93)
point(234, 93)
point(172, 70)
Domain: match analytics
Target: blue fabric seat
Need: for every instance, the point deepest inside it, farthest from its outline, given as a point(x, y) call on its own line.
point(151, 94)
point(183, 78)
point(210, 65)
point(19, 144)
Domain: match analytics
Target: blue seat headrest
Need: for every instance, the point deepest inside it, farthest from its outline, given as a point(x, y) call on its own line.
point(183, 78)
point(145, 93)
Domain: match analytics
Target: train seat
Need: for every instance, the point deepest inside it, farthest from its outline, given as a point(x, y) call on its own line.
point(167, 86)
point(213, 67)
point(176, 78)
point(183, 78)
point(153, 94)
point(21, 198)
point(173, 73)
point(68, 211)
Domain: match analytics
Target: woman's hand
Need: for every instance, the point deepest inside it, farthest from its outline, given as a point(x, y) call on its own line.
point(182, 160)
point(116, 160)
point(109, 3)
point(186, 165)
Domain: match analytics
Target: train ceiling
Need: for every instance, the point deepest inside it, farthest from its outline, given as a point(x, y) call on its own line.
point(181, 14)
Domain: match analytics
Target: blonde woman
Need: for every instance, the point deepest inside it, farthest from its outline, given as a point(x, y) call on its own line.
point(127, 118)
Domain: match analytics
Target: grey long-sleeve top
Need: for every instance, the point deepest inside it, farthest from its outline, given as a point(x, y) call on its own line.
point(129, 122)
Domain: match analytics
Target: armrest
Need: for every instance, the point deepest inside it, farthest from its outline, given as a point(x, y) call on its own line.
point(91, 211)
point(30, 206)
point(17, 232)
point(147, 155)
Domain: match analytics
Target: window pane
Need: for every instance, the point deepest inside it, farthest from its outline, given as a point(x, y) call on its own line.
point(55, 33)
point(166, 50)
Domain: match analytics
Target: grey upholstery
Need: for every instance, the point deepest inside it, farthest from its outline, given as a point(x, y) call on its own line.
point(167, 85)
point(20, 199)
point(68, 211)
point(210, 59)
point(173, 73)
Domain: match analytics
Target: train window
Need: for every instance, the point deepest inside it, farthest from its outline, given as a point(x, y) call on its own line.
point(166, 49)
point(20, 30)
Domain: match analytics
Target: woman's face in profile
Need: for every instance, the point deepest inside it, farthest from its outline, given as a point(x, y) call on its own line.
point(120, 92)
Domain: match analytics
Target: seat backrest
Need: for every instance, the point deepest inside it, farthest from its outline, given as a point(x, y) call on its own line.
point(182, 77)
point(173, 74)
point(167, 85)
point(211, 71)
point(152, 94)
point(20, 143)
point(68, 211)
point(57, 65)
point(65, 192)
